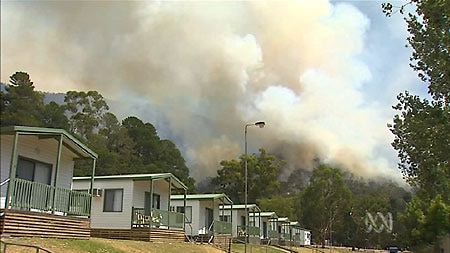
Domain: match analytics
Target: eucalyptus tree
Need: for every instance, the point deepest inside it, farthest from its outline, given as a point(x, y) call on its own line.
point(324, 202)
point(263, 170)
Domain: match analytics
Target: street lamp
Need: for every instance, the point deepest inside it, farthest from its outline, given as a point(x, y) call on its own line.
point(260, 124)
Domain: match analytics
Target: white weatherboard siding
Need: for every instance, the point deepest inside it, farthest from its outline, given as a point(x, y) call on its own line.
point(133, 196)
point(112, 220)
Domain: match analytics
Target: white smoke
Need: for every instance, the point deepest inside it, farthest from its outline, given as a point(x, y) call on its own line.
point(200, 71)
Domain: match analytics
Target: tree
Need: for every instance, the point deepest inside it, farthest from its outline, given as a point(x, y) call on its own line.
point(21, 104)
point(157, 155)
point(262, 171)
point(85, 111)
point(421, 129)
point(324, 202)
point(280, 204)
point(53, 116)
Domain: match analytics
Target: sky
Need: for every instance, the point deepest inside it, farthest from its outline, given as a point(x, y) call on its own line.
point(323, 75)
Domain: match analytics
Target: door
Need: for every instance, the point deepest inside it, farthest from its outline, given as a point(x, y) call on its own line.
point(155, 205)
point(34, 171)
point(37, 196)
point(209, 218)
point(264, 229)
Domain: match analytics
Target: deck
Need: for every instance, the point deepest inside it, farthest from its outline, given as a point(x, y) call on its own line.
point(28, 223)
point(141, 234)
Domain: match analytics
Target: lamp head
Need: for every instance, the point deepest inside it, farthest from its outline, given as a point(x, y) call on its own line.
point(260, 124)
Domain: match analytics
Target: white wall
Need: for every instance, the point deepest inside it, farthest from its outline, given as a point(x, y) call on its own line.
point(133, 196)
point(101, 219)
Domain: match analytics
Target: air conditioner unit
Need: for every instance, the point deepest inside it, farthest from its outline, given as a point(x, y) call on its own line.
point(97, 192)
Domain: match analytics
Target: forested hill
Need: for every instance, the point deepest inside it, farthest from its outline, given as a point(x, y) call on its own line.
point(127, 147)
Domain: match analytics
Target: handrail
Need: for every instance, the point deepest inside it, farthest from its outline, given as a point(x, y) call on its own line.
point(5, 181)
point(23, 245)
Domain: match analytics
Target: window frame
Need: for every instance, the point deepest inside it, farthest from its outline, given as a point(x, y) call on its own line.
point(180, 209)
point(105, 210)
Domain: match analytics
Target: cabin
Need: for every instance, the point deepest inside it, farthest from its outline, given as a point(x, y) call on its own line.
point(238, 214)
point(298, 235)
point(203, 216)
point(283, 230)
point(36, 199)
point(268, 226)
point(136, 206)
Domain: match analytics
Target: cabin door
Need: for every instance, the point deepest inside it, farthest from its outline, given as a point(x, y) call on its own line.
point(209, 217)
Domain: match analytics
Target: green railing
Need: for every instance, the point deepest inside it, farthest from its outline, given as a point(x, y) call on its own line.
point(33, 195)
point(252, 231)
point(158, 218)
point(273, 234)
point(222, 227)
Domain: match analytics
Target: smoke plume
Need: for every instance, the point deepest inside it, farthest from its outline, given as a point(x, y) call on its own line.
point(199, 71)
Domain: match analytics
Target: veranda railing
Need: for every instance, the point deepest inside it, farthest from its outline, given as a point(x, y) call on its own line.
point(33, 195)
point(222, 227)
point(273, 234)
point(252, 230)
point(157, 218)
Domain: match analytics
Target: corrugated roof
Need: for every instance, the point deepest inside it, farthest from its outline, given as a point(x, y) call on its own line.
point(138, 177)
point(203, 197)
point(254, 207)
point(265, 214)
point(283, 219)
point(68, 139)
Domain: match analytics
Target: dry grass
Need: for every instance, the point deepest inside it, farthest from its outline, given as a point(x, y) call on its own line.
point(97, 245)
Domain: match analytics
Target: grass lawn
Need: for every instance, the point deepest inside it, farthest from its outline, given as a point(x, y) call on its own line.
point(97, 245)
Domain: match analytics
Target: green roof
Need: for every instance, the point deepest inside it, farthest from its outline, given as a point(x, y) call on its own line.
point(137, 177)
point(254, 207)
point(69, 140)
point(265, 214)
point(283, 219)
point(203, 197)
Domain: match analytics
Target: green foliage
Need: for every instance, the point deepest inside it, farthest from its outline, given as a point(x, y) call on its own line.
point(262, 171)
point(422, 129)
point(422, 139)
point(21, 105)
point(85, 110)
point(283, 206)
point(155, 154)
point(128, 148)
point(326, 198)
point(53, 116)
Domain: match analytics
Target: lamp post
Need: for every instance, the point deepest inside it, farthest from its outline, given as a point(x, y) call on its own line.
point(260, 124)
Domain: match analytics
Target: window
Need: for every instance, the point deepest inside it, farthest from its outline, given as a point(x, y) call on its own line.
point(188, 213)
point(243, 220)
point(225, 218)
point(113, 200)
point(34, 171)
point(156, 201)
